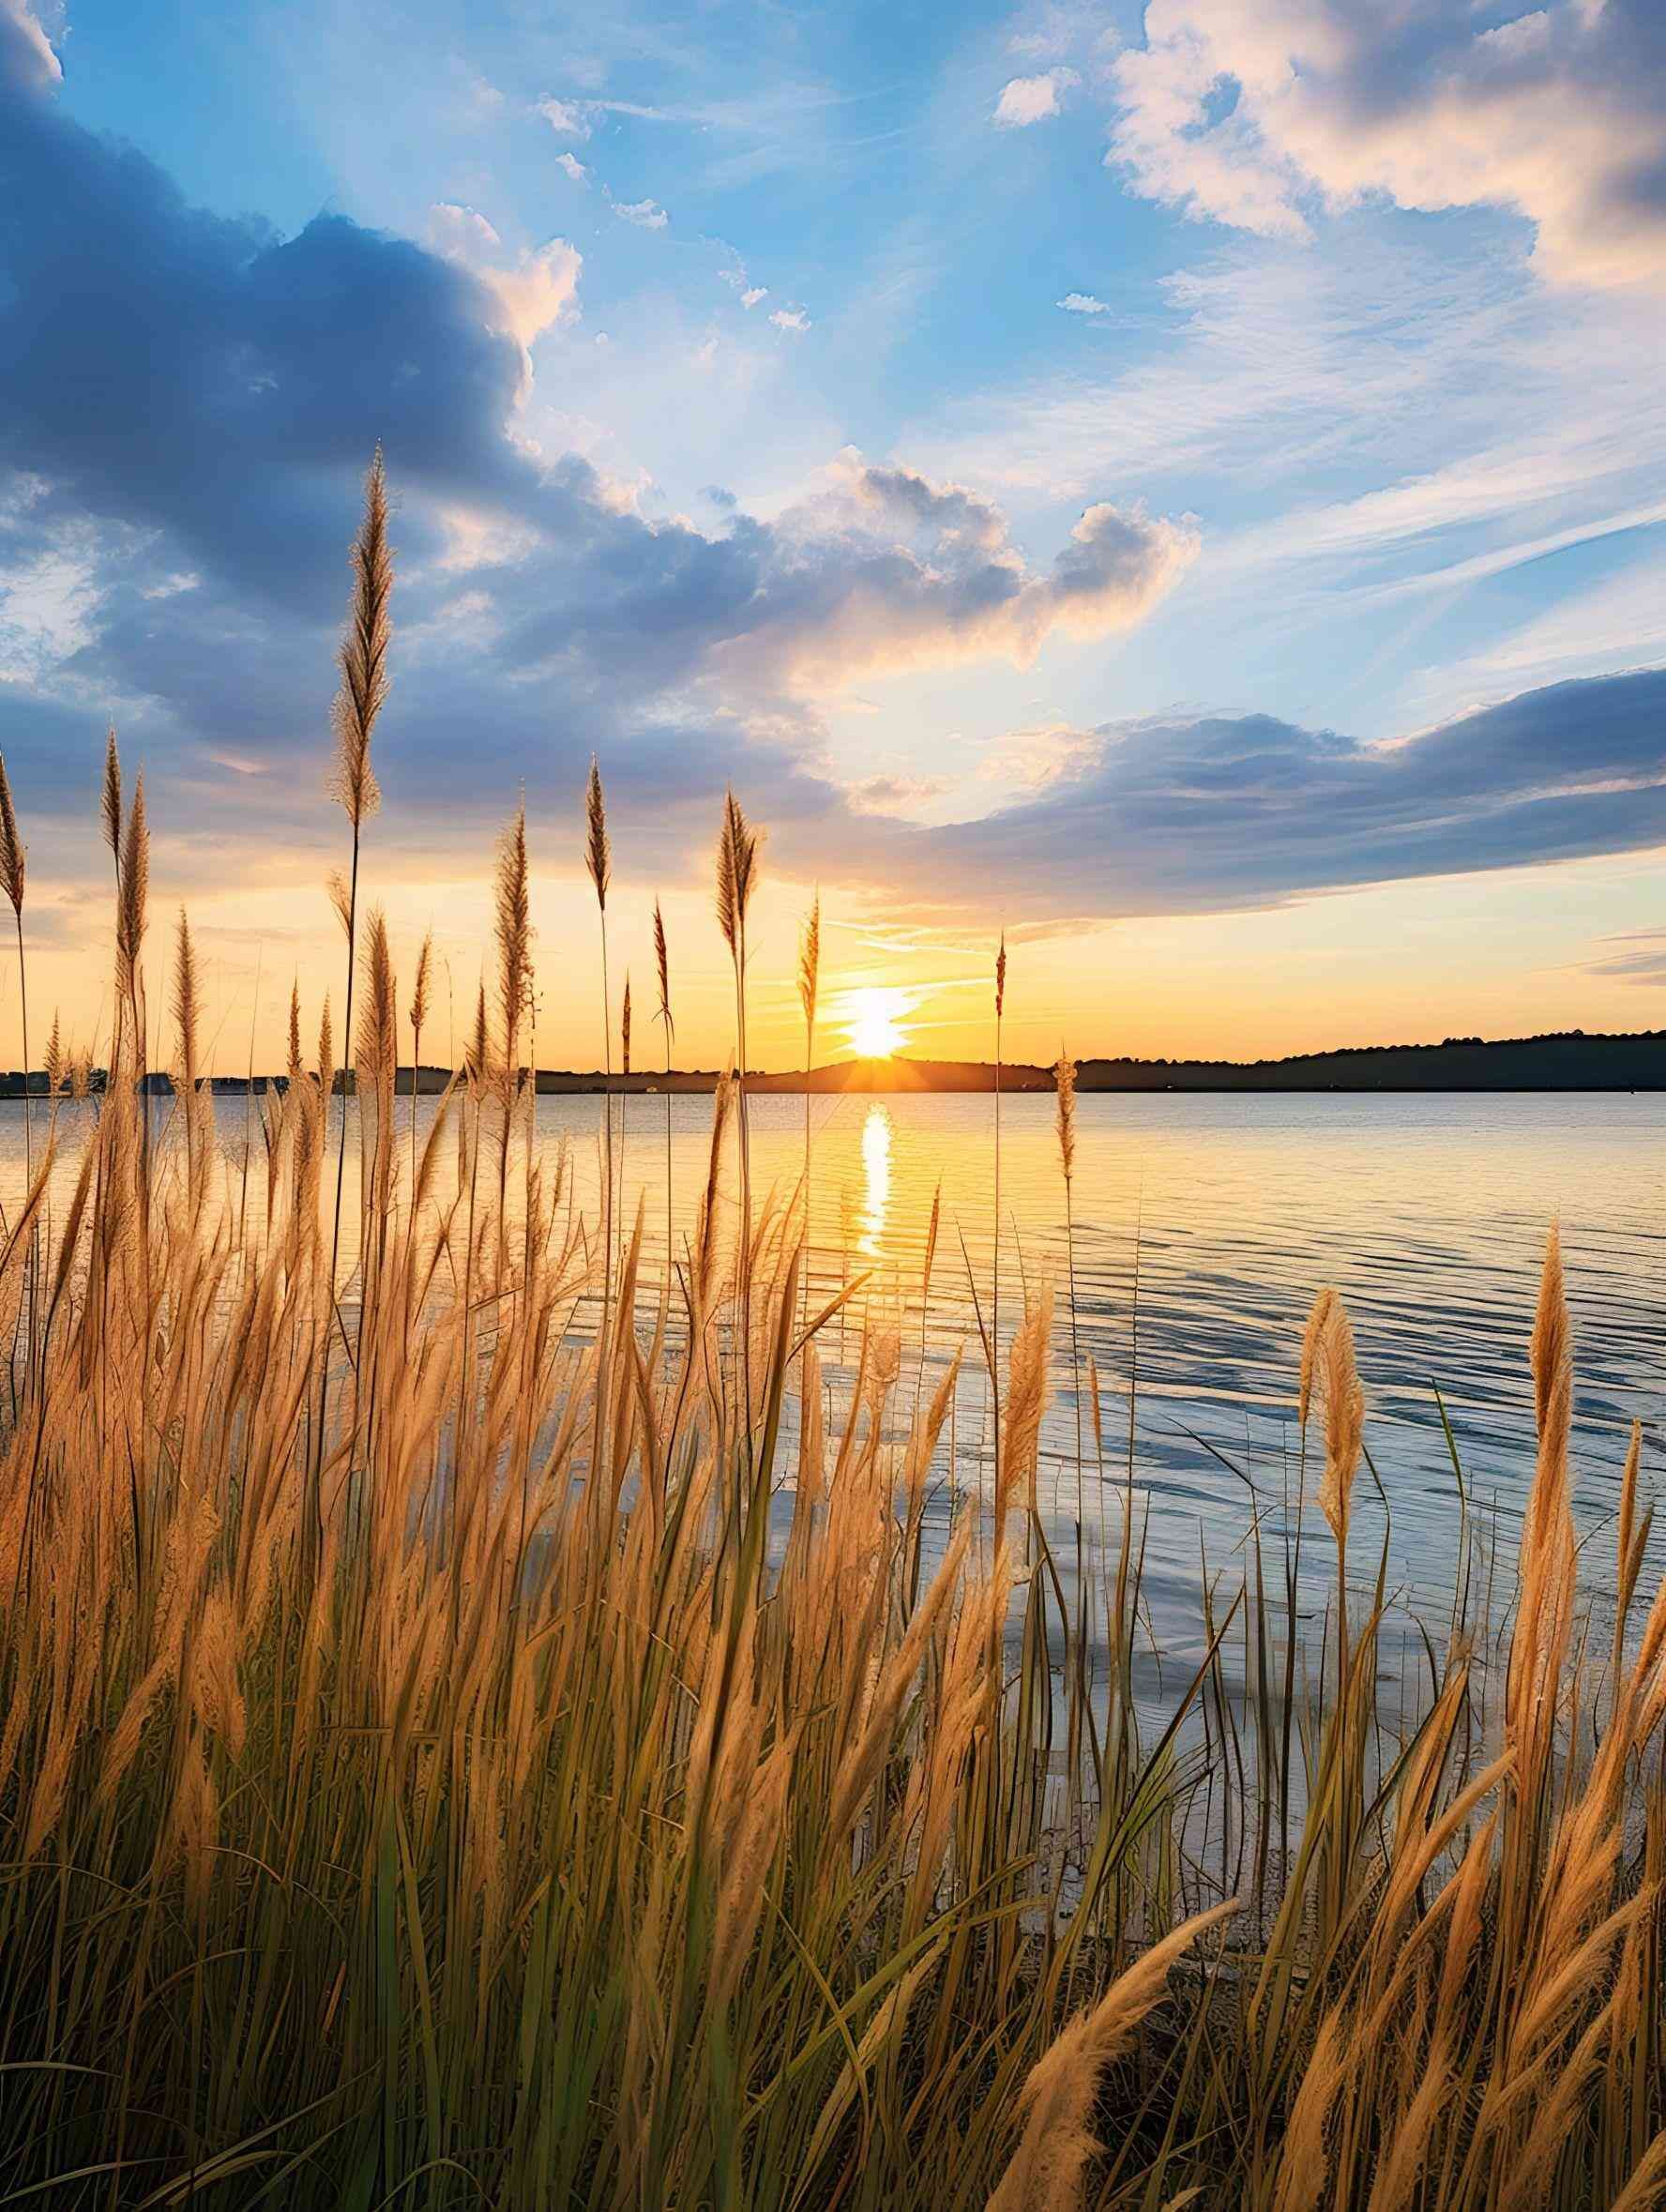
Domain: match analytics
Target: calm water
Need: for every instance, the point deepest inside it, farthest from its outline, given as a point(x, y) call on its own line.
point(1201, 1229)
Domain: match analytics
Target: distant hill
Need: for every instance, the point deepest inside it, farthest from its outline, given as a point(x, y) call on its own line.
point(1566, 1060)
point(1569, 1060)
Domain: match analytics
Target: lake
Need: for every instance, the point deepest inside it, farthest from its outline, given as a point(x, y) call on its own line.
point(1202, 1227)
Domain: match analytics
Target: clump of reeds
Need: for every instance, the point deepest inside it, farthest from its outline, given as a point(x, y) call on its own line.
point(428, 1791)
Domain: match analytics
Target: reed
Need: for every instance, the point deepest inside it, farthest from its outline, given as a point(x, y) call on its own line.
point(599, 866)
point(420, 988)
point(362, 660)
point(664, 1016)
point(542, 1825)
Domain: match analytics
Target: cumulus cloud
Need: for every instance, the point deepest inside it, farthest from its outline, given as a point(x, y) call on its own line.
point(882, 569)
point(26, 55)
point(1031, 99)
point(1083, 303)
point(785, 318)
point(527, 294)
point(753, 293)
point(646, 213)
point(1258, 112)
point(572, 168)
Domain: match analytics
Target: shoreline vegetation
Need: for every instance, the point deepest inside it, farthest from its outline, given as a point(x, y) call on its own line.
point(1566, 1060)
point(482, 1726)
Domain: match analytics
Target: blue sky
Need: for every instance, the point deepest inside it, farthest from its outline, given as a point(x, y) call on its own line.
point(1186, 481)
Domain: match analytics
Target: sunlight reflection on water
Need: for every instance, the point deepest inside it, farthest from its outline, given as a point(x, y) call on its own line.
point(876, 1181)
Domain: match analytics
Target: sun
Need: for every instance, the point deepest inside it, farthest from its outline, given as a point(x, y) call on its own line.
point(874, 1024)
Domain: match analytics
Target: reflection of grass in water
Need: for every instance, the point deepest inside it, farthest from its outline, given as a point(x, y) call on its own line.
point(525, 1830)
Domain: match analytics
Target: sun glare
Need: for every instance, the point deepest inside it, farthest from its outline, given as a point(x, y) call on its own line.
point(874, 1023)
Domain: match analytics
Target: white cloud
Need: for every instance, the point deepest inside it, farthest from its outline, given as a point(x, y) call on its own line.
point(882, 569)
point(1032, 100)
point(39, 60)
point(1083, 303)
point(646, 213)
point(539, 290)
point(735, 276)
point(790, 319)
point(48, 604)
point(572, 167)
point(527, 296)
point(567, 117)
point(1258, 113)
point(462, 233)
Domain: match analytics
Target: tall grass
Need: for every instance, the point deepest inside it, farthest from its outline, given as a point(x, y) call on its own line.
point(539, 1828)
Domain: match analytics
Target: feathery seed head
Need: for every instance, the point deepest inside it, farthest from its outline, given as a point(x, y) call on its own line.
point(378, 1024)
point(663, 967)
point(1551, 1351)
point(598, 852)
point(809, 963)
point(1063, 1077)
point(13, 854)
point(419, 990)
point(1331, 1366)
point(363, 655)
point(187, 999)
point(514, 934)
point(625, 1026)
point(476, 1053)
point(737, 865)
point(1001, 977)
point(135, 887)
point(110, 806)
point(1312, 1336)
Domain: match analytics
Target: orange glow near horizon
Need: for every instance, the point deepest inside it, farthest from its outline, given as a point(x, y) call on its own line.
point(874, 1021)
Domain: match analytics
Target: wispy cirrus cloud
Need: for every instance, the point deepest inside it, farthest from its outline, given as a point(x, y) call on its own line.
point(1633, 956)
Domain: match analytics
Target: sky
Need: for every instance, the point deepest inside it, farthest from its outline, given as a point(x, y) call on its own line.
point(1184, 485)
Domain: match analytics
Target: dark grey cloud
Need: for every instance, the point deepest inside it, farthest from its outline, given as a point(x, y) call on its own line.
point(1187, 815)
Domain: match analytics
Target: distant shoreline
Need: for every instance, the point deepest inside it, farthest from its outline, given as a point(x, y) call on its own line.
point(1567, 1060)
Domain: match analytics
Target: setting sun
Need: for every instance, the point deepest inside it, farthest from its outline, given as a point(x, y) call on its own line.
point(874, 1023)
